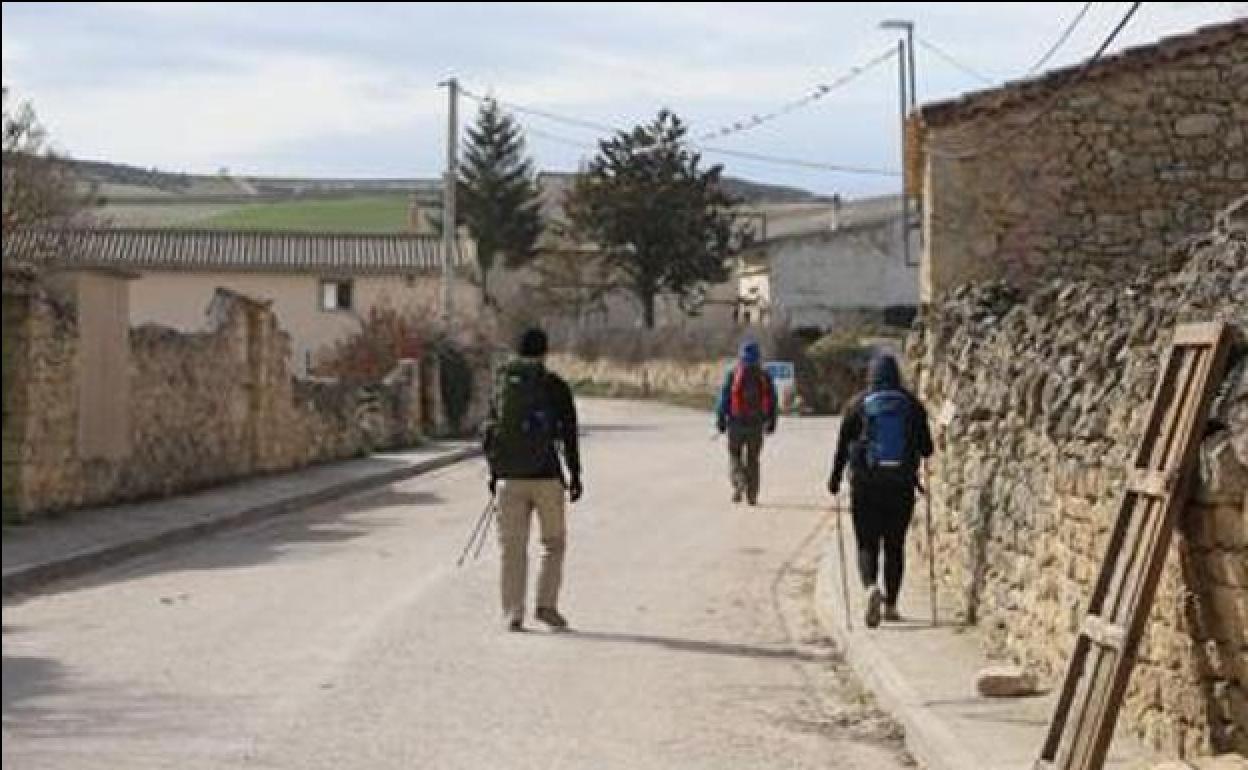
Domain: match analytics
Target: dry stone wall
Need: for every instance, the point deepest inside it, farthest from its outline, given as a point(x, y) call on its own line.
point(205, 407)
point(1038, 403)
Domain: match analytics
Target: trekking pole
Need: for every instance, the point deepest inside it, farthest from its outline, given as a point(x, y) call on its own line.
point(840, 547)
point(485, 531)
point(931, 543)
point(482, 521)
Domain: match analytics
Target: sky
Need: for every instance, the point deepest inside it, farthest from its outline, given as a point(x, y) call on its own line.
point(351, 90)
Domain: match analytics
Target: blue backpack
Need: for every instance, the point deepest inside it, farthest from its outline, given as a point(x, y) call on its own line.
point(886, 415)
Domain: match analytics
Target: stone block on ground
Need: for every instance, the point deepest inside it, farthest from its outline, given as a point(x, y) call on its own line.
point(1005, 682)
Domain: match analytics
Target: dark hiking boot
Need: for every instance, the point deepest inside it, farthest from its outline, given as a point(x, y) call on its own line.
point(551, 617)
point(515, 624)
point(753, 501)
point(874, 600)
point(736, 495)
point(891, 614)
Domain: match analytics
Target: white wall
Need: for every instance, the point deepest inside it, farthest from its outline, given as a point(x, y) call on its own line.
point(815, 277)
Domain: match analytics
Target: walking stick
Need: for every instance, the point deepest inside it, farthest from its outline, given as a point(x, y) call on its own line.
point(485, 531)
point(931, 544)
point(482, 521)
point(840, 547)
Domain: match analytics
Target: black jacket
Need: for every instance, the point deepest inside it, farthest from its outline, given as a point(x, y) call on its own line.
point(559, 396)
point(883, 375)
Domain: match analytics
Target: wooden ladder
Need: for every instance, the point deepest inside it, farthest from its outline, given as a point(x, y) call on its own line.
point(1096, 679)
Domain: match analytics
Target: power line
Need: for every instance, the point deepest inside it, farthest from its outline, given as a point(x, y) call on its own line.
point(1054, 99)
point(813, 164)
point(757, 157)
point(820, 91)
point(1070, 28)
point(557, 139)
point(948, 57)
point(552, 116)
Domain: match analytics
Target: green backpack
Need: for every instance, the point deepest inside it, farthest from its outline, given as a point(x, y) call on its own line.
point(524, 430)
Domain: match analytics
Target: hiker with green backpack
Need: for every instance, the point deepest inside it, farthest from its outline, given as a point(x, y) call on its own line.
point(884, 436)
point(532, 415)
point(746, 409)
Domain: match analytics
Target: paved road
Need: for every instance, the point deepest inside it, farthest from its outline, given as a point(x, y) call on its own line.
point(344, 637)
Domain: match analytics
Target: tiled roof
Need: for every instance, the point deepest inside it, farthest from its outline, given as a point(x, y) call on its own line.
point(1023, 92)
point(176, 249)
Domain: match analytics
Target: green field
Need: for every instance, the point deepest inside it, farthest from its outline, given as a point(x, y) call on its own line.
point(364, 214)
point(356, 214)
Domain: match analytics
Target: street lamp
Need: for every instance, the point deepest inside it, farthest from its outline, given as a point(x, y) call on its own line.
point(905, 66)
point(906, 26)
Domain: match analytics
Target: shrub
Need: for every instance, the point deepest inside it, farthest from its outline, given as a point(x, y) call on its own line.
point(385, 336)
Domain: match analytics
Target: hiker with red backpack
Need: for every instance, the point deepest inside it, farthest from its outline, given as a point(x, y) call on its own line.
point(884, 435)
point(745, 411)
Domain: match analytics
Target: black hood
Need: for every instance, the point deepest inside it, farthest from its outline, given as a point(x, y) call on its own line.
point(882, 373)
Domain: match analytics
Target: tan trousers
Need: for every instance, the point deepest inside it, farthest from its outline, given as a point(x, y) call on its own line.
point(517, 500)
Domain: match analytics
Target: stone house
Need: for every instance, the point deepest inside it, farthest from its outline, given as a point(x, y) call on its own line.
point(1086, 170)
point(320, 286)
point(817, 265)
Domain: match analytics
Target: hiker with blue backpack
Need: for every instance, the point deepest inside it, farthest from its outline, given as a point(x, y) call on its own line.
point(532, 416)
point(883, 438)
point(746, 410)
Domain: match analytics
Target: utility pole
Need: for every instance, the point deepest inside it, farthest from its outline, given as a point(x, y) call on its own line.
point(905, 166)
point(909, 103)
point(450, 181)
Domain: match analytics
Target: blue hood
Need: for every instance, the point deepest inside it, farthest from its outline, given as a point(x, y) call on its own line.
point(750, 353)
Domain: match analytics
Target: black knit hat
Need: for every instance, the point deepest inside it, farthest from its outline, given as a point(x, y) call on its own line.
point(532, 344)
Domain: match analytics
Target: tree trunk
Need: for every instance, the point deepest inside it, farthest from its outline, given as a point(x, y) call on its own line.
point(647, 309)
point(485, 263)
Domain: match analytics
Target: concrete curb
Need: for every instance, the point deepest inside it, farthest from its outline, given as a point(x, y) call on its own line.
point(29, 577)
point(927, 738)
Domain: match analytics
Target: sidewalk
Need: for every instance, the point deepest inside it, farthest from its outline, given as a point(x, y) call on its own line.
point(86, 540)
point(924, 677)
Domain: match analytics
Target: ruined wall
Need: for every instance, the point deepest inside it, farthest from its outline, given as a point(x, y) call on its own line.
point(204, 407)
point(1037, 406)
point(1122, 165)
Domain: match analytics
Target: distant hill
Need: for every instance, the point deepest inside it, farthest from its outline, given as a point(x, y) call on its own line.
point(130, 196)
point(121, 183)
point(118, 182)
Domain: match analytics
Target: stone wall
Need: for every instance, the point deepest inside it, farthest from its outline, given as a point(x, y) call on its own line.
point(1037, 406)
point(204, 407)
point(1077, 172)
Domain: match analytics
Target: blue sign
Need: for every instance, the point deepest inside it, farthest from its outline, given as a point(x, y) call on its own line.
point(780, 370)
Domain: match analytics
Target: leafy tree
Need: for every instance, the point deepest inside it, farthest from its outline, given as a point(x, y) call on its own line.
point(498, 194)
point(664, 223)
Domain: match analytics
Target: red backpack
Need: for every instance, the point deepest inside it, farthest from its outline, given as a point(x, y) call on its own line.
point(751, 398)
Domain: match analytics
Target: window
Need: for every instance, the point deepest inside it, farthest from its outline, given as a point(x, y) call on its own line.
point(335, 295)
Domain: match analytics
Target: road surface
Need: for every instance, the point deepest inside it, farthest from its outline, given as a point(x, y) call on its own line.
point(344, 636)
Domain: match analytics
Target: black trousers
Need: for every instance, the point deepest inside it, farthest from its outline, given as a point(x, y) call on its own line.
point(882, 514)
point(745, 444)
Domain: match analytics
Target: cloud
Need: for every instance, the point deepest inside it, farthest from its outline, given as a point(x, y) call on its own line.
point(204, 120)
point(351, 86)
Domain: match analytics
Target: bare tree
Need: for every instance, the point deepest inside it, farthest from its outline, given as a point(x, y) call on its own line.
point(40, 188)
